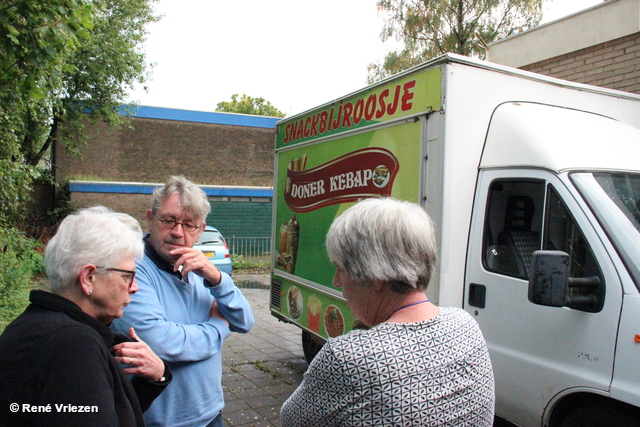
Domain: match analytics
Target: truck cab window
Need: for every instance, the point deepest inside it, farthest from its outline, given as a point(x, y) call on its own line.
point(513, 226)
point(563, 234)
point(514, 230)
point(614, 198)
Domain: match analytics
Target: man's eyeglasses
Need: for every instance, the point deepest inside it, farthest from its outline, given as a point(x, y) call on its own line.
point(170, 223)
point(130, 274)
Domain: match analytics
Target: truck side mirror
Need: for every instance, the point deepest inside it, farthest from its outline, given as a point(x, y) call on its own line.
point(550, 284)
point(549, 278)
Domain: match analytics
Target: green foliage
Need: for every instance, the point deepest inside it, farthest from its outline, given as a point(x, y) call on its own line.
point(83, 177)
point(35, 39)
point(21, 259)
point(242, 265)
point(19, 262)
point(249, 105)
point(15, 180)
point(58, 60)
point(429, 28)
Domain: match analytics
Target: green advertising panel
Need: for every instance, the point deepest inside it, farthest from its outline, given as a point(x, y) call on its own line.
point(315, 184)
point(405, 96)
point(327, 316)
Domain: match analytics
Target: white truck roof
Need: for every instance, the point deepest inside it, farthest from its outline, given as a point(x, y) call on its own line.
point(559, 139)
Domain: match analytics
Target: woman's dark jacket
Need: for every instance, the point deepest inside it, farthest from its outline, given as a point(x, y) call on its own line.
point(56, 360)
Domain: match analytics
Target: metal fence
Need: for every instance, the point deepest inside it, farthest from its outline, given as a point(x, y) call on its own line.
point(255, 248)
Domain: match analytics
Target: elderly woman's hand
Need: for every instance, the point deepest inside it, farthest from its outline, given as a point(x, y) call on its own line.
point(139, 357)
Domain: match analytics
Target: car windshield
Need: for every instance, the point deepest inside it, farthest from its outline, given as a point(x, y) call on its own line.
point(209, 237)
point(614, 198)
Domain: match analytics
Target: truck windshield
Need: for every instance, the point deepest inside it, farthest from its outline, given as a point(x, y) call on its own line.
point(614, 198)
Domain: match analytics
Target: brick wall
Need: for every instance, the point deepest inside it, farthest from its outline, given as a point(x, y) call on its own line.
point(211, 149)
point(154, 149)
point(135, 205)
point(614, 65)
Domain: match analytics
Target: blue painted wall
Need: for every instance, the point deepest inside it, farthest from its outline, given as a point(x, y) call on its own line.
point(142, 188)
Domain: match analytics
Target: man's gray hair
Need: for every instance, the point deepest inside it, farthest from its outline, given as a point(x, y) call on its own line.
point(95, 236)
point(384, 239)
point(192, 199)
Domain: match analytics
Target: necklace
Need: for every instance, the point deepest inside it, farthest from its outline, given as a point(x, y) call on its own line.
point(407, 306)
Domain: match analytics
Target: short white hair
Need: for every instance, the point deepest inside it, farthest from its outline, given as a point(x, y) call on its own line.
point(95, 236)
point(384, 239)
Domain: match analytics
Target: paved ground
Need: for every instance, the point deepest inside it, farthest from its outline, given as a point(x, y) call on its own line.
point(262, 368)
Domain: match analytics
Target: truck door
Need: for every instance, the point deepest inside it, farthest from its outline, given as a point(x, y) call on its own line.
point(538, 353)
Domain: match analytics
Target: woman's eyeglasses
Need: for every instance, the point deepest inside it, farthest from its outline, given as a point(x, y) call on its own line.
point(130, 274)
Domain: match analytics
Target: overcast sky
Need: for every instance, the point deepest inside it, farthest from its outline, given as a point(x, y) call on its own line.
point(294, 54)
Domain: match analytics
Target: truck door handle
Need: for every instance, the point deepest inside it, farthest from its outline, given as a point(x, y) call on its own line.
point(477, 295)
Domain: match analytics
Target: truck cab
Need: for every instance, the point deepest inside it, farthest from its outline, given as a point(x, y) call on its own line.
point(552, 273)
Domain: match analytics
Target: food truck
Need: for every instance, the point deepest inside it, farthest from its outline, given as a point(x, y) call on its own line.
point(534, 186)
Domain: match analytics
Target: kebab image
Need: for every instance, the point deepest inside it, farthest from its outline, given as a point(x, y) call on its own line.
point(289, 236)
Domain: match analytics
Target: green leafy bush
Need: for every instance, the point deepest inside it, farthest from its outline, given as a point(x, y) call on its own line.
point(19, 263)
point(249, 265)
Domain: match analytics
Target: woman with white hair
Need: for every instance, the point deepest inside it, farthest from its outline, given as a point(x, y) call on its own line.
point(60, 364)
point(418, 364)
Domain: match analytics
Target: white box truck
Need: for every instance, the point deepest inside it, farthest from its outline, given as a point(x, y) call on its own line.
point(534, 186)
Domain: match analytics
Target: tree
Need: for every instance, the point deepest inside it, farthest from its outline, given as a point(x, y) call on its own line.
point(429, 28)
point(35, 38)
point(249, 105)
point(60, 59)
point(97, 78)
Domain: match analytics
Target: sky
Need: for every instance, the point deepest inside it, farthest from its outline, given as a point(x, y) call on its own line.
point(294, 54)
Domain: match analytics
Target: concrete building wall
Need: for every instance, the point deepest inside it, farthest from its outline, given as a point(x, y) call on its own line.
point(606, 21)
point(598, 46)
point(614, 65)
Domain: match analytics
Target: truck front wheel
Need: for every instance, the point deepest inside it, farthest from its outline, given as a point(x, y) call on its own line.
point(310, 345)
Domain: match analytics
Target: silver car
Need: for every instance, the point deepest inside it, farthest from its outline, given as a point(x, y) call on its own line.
point(213, 245)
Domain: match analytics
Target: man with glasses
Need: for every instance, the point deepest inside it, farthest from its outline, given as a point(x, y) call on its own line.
point(184, 308)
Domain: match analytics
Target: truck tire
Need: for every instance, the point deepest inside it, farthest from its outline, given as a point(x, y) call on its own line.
point(310, 345)
point(599, 416)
